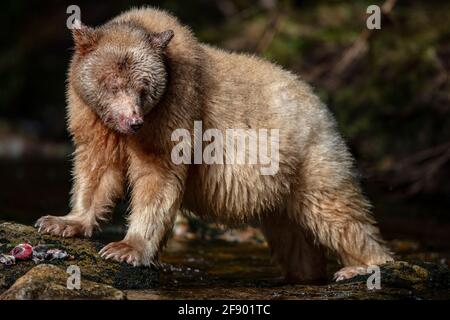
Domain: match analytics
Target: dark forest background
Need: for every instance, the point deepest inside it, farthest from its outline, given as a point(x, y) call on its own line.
point(388, 88)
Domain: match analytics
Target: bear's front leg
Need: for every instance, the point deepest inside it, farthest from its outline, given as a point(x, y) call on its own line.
point(156, 198)
point(98, 180)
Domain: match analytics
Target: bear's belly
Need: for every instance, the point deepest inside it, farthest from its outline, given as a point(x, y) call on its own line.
point(233, 193)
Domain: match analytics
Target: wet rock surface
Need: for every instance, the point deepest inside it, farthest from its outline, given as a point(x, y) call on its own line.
point(49, 282)
point(237, 267)
point(217, 269)
point(85, 256)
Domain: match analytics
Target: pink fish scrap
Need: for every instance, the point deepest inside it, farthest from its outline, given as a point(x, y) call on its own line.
point(22, 251)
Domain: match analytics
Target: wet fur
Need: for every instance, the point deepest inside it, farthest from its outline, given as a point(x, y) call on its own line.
point(312, 204)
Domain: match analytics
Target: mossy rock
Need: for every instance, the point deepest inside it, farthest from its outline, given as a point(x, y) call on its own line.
point(417, 275)
point(85, 253)
point(403, 280)
point(49, 282)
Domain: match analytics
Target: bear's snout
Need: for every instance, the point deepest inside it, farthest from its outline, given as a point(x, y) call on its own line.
point(136, 123)
point(129, 124)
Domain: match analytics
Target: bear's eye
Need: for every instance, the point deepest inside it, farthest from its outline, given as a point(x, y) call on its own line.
point(114, 89)
point(146, 83)
point(143, 96)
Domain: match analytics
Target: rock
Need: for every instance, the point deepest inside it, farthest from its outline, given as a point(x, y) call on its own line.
point(48, 282)
point(402, 274)
point(399, 280)
point(403, 280)
point(417, 275)
point(85, 252)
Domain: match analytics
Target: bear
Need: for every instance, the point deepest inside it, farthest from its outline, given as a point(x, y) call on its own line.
point(135, 80)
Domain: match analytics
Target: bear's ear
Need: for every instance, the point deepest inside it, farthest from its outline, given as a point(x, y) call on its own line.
point(160, 40)
point(85, 39)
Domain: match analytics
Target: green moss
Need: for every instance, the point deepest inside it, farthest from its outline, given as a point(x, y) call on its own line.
point(119, 275)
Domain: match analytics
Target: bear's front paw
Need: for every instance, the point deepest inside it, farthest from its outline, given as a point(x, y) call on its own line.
point(63, 227)
point(123, 251)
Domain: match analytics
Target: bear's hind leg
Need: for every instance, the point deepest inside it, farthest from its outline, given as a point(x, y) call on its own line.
point(327, 200)
point(301, 260)
point(340, 220)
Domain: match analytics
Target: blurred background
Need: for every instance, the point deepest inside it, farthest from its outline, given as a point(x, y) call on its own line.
point(388, 88)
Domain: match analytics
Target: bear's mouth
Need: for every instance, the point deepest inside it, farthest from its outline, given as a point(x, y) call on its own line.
point(129, 125)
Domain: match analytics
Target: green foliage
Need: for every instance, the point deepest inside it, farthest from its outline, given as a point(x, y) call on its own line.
point(393, 102)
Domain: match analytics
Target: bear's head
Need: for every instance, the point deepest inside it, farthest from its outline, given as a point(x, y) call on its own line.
point(119, 71)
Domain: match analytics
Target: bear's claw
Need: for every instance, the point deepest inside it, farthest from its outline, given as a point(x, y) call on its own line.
point(122, 252)
point(349, 272)
point(62, 227)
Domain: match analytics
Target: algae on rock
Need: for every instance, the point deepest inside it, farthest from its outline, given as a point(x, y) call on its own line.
point(92, 266)
point(49, 282)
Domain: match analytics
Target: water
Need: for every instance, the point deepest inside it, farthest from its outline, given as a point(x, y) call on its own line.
point(215, 269)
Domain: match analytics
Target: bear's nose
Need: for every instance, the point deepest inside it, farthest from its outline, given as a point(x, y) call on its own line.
point(136, 124)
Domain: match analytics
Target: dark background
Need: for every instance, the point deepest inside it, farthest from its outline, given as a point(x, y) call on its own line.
point(388, 88)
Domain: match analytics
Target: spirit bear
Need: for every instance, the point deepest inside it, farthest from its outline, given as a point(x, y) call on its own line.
point(136, 79)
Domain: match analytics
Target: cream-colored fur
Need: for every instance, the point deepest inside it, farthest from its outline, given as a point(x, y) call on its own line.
point(313, 203)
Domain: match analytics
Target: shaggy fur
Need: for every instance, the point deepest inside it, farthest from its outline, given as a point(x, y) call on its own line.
point(131, 69)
